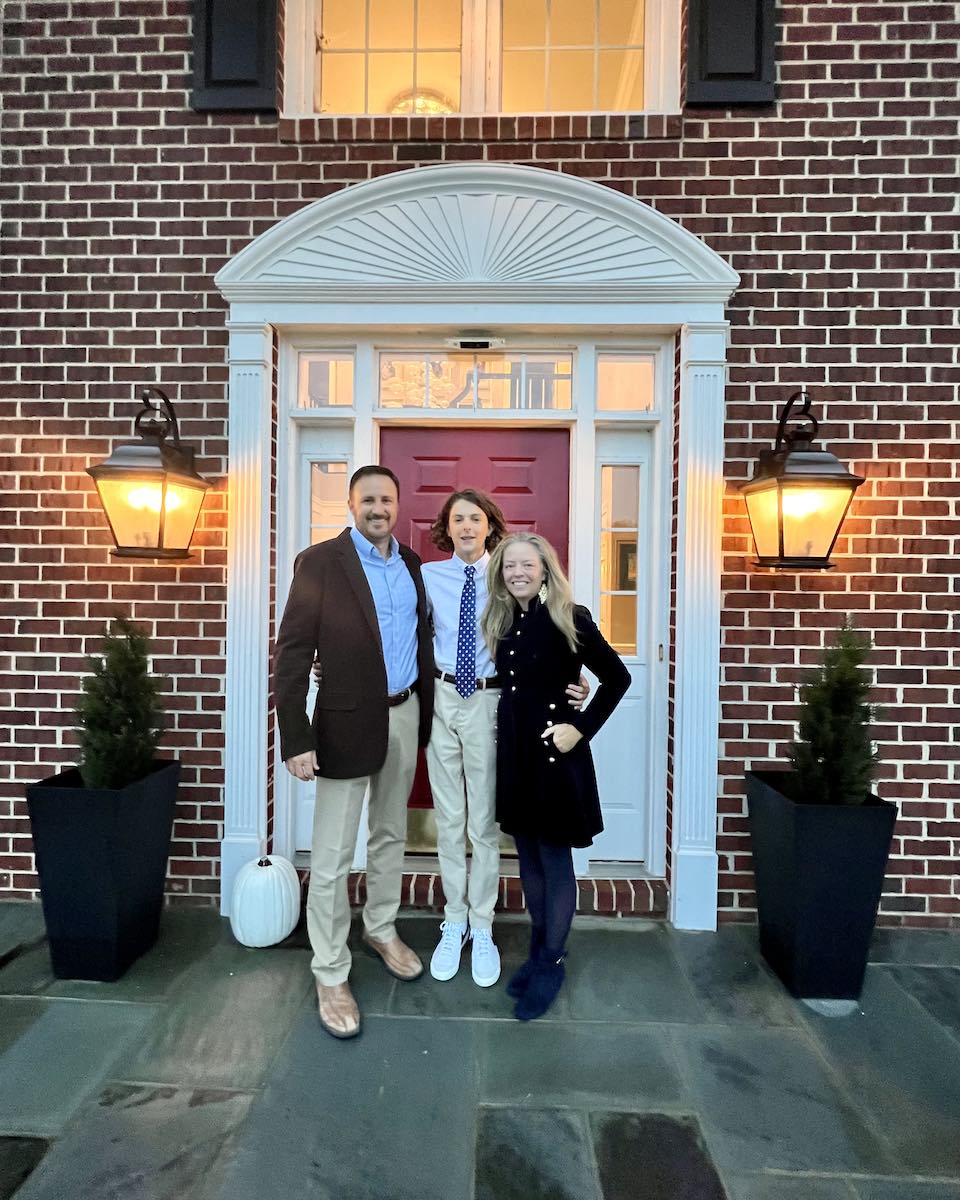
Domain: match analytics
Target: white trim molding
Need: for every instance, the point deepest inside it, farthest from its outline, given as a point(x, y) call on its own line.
point(248, 601)
point(447, 249)
point(693, 891)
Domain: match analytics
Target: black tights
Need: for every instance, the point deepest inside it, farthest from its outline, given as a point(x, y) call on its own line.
point(550, 887)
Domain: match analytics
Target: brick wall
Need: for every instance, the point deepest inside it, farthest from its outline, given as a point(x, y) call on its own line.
point(837, 206)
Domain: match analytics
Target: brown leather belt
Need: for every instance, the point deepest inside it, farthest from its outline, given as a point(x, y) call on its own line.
point(399, 697)
point(492, 681)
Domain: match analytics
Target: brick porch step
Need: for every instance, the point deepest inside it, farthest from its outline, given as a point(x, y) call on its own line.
point(595, 897)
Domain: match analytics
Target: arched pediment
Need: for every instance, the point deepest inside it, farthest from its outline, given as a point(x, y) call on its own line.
point(477, 229)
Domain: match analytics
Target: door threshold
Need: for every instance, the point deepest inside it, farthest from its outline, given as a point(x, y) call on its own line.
point(609, 889)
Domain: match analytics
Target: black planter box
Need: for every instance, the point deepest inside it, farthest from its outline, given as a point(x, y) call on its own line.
point(102, 860)
point(819, 871)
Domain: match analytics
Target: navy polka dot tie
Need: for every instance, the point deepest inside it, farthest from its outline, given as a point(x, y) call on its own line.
point(466, 673)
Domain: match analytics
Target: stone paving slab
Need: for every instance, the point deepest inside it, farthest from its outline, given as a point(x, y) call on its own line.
point(905, 1189)
point(55, 1052)
point(389, 1114)
point(138, 1141)
point(226, 1021)
point(767, 1100)
point(787, 1187)
point(21, 924)
point(627, 975)
point(936, 988)
point(534, 1154)
point(917, 947)
point(655, 1156)
point(903, 1069)
point(18, 1158)
point(729, 978)
point(593, 1066)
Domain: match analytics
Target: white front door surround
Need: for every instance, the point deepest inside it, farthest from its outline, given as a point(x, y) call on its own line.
point(495, 248)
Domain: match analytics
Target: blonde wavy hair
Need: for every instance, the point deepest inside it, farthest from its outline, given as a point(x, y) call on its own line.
point(499, 611)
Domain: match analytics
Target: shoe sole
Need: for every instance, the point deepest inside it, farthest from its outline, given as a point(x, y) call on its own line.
point(486, 982)
point(341, 1035)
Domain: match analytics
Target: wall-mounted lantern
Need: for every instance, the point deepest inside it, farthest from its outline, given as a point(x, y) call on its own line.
point(798, 496)
point(149, 489)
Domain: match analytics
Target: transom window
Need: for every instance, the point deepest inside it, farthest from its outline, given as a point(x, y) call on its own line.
point(431, 57)
point(476, 381)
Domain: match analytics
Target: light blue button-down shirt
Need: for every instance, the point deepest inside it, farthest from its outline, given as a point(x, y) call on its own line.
point(444, 582)
point(395, 599)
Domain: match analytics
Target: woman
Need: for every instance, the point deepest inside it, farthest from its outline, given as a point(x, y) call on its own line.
point(546, 786)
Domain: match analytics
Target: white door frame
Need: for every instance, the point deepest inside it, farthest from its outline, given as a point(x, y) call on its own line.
point(483, 247)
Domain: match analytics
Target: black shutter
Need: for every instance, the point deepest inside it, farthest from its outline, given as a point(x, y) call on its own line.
point(235, 55)
point(730, 51)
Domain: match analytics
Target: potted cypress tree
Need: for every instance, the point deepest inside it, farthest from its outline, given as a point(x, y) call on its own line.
point(820, 836)
point(101, 831)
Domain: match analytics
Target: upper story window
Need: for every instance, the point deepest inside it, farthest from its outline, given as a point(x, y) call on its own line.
point(431, 57)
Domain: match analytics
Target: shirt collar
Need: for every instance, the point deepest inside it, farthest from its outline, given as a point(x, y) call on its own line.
point(366, 548)
point(480, 564)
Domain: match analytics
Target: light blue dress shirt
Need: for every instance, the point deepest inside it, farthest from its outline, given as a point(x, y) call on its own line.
point(444, 582)
point(395, 599)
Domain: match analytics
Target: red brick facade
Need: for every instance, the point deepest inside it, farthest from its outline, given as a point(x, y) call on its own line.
point(838, 207)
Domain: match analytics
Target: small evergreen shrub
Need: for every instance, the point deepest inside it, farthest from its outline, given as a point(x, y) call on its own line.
point(833, 758)
point(120, 715)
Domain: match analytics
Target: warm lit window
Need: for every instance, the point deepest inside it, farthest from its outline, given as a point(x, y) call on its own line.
point(326, 380)
point(619, 537)
point(328, 500)
point(476, 56)
point(476, 381)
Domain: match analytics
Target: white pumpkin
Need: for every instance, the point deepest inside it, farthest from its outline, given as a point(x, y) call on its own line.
point(265, 906)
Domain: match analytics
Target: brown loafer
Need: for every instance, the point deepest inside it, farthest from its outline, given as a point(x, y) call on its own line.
point(338, 1010)
point(397, 957)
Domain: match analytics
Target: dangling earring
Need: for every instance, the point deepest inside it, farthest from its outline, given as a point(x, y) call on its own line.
point(542, 594)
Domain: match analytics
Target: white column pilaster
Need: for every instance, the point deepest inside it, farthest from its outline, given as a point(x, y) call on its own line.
point(248, 600)
point(697, 686)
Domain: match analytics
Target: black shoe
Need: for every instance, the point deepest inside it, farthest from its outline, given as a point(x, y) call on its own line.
point(519, 979)
point(545, 982)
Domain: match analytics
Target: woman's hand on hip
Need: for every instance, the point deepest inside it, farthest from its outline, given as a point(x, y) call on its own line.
point(565, 737)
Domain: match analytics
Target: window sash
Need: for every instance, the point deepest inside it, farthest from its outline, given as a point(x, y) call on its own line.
point(481, 59)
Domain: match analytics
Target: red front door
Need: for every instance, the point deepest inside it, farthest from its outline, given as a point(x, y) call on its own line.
point(526, 471)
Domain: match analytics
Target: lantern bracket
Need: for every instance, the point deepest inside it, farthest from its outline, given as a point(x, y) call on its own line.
point(786, 440)
point(157, 420)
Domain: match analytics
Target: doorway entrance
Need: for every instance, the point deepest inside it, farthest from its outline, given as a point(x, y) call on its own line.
point(525, 471)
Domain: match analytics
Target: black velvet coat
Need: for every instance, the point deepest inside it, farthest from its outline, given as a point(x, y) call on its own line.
point(541, 792)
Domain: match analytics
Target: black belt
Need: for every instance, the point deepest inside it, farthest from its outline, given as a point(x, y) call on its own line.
point(399, 697)
point(492, 681)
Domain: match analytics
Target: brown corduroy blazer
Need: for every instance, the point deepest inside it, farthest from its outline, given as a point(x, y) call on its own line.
point(330, 613)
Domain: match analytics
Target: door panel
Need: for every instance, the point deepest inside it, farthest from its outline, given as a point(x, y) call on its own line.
point(526, 471)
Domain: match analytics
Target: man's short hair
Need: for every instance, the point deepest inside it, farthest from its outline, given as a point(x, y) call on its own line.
point(373, 469)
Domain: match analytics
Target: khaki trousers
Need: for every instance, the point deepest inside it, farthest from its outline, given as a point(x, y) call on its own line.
point(336, 821)
point(462, 761)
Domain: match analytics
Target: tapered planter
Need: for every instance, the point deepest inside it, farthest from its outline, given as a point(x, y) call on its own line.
point(819, 873)
point(102, 860)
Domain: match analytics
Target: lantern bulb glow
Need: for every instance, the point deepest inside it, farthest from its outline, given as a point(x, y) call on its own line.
point(148, 498)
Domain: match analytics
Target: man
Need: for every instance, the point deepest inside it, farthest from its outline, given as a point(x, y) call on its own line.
point(358, 605)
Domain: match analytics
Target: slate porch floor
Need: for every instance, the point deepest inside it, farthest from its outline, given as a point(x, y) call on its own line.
point(674, 1067)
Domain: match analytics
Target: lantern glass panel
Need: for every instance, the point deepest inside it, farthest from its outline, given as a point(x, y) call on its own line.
point(133, 508)
point(811, 518)
point(762, 511)
point(182, 509)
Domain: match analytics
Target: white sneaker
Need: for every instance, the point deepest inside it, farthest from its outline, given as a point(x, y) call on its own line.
point(445, 962)
point(484, 959)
